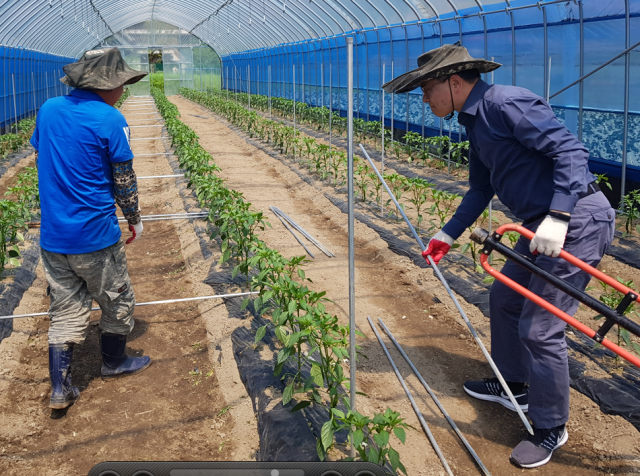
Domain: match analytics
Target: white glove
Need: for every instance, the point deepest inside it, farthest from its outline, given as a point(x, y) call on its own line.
point(136, 231)
point(549, 237)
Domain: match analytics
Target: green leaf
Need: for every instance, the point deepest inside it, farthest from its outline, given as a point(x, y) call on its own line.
point(14, 253)
point(326, 434)
point(14, 262)
point(300, 405)
point(283, 355)
point(400, 434)
point(316, 373)
point(245, 303)
point(337, 412)
point(19, 236)
point(381, 439)
point(287, 395)
point(489, 279)
point(358, 438)
point(320, 450)
point(260, 333)
point(394, 459)
point(373, 455)
point(235, 271)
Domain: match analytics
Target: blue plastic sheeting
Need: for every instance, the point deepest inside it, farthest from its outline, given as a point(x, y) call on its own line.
point(33, 76)
point(533, 44)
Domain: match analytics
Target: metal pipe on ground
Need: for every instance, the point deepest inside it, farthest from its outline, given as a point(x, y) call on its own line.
point(159, 176)
point(436, 401)
point(155, 153)
point(297, 227)
point(453, 298)
point(423, 423)
point(151, 138)
point(168, 301)
point(171, 216)
point(292, 232)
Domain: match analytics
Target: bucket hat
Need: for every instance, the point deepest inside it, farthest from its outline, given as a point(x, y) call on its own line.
point(443, 61)
point(102, 68)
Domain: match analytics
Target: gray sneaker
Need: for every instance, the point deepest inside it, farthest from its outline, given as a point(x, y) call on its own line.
point(536, 450)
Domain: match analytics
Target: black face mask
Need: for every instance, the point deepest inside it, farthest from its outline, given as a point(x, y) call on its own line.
point(449, 116)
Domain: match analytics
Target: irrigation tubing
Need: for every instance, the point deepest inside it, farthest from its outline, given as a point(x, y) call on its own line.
point(435, 400)
point(425, 427)
point(150, 303)
point(318, 245)
point(159, 176)
point(454, 299)
point(293, 233)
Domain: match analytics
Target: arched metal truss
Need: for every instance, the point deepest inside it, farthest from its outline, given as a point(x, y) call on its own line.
point(70, 27)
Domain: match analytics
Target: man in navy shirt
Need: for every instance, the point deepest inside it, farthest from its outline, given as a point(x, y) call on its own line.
point(519, 151)
point(85, 167)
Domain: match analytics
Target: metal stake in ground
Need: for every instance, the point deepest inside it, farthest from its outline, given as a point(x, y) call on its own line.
point(150, 303)
point(425, 427)
point(453, 298)
point(436, 401)
point(352, 270)
point(292, 232)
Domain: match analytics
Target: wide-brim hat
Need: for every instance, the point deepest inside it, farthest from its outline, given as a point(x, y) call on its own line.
point(102, 68)
point(443, 61)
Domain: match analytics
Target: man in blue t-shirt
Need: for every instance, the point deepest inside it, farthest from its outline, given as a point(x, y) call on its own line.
point(85, 167)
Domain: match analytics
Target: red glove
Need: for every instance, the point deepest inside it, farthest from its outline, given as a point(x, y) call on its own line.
point(438, 246)
point(136, 230)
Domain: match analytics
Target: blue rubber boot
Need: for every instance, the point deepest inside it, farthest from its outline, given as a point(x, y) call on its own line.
point(63, 393)
point(115, 363)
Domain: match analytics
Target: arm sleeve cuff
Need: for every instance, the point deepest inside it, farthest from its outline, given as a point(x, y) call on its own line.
point(454, 228)
point(563, 203)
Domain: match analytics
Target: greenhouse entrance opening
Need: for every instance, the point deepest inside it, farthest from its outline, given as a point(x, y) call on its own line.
point(174, 58)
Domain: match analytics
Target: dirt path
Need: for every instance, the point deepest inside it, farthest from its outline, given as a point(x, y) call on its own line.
point(391, 287)
point(186, 406)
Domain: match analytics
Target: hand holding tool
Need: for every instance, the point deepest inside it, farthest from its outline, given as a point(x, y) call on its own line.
point(550, 236)
point(438, 246)
point(136, 230)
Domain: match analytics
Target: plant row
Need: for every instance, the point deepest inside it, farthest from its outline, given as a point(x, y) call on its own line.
point(14, 142)
point(310, 337)
point(412, 147)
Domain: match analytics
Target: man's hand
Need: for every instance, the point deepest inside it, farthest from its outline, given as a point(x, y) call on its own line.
point(438, 246)
point(549, 237)
point(136, 230)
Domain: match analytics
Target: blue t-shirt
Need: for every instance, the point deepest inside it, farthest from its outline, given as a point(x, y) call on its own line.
point(77, 137)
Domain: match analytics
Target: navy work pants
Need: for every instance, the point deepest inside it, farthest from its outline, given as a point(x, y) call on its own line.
point(528, 343)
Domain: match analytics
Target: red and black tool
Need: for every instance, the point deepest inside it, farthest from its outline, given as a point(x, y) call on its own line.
point(612, 316)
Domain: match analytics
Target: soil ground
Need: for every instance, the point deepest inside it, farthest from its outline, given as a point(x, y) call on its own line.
point(189, 405)
point(164, 414)
point(391, 287)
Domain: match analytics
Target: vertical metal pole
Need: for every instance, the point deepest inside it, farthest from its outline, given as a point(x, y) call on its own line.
point(235, 84)
point(15, 108)
point(625, 137)
point(330, 109)
point(382, 134)
point(304, 99)
point(249, 84)
point(46, 80)
point(294, 108)
point(352, 271)
point(513, 50)
point(546, 86)
point(227, 76)
point(269, 72)
point(581, 85)
point(33, 89)
point(393, 107)
point(549, 79)
point(322, 83)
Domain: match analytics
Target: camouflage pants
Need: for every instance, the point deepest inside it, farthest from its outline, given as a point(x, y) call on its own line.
point(76, 280)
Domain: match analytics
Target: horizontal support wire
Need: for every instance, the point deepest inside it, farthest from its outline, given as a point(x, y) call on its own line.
point(151, 303)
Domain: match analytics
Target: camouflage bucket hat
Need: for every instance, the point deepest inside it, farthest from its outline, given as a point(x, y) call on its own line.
point(103, 68)
point(443, 61)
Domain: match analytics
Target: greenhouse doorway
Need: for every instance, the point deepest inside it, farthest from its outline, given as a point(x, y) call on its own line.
point(138, 58)
point(177, 65)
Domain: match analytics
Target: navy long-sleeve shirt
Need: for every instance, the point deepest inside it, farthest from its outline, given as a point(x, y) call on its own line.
point(519, 151)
